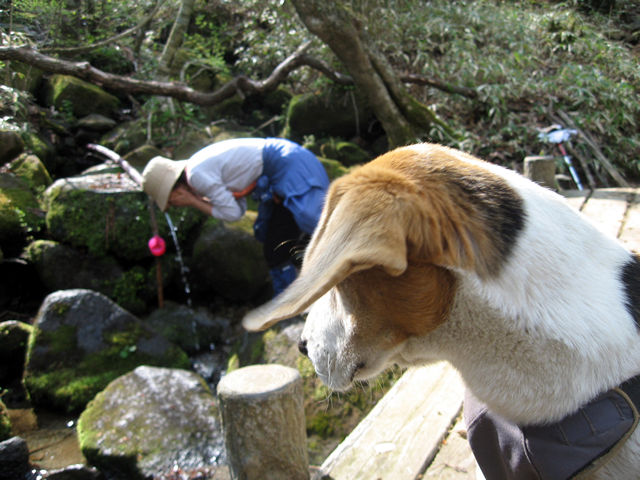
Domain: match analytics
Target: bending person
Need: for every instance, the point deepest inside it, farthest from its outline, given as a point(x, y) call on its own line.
point(288, 180)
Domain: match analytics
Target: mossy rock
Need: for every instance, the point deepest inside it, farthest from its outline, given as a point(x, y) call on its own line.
point(347, 153)
point(150, 421)
point(330, 113)
point(43, 149)
point(108, 215)
point(82, 341)
point(32, 170)
point(14, 336)
point(20, 214)
point(5, 423)
point(228, 260)
point(11, 145)
point(191, 329)
point(79, 98)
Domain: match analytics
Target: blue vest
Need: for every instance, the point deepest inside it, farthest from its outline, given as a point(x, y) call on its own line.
point(295, 175)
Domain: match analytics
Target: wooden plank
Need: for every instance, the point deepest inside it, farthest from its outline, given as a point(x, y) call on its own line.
point(455, 460)
point(576, 198)
point(403, 432)
point(630, 236)
point(606, 208)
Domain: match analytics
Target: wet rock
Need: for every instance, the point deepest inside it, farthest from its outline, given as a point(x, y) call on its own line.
point(20, 215)
point(191, 329)
point(81, 342)
point(14, 459)
point(14, 336)
point(150, 422)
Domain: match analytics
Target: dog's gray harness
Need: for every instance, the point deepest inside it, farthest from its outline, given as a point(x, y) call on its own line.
point(574, 447)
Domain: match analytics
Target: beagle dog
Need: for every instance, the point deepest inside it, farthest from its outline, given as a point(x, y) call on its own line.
point(427, 253)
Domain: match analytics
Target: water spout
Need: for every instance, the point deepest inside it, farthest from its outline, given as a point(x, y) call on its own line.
point(183, 269)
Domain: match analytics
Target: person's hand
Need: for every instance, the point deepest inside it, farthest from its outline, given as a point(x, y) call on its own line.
point(181, 196)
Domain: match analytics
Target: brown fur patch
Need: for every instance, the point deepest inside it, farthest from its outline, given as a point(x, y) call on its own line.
point(390, 309)
point(454, 213)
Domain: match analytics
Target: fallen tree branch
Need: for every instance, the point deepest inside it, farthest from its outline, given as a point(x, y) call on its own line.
point(239, 85)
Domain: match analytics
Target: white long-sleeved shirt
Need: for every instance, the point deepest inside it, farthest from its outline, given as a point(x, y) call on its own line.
point(220, 169)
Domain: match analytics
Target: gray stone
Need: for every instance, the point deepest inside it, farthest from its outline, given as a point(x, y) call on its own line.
point(81, 342)
point(14, 459)
point(151, 421)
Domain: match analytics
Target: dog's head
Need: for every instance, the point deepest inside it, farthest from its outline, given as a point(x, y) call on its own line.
point(377, 266)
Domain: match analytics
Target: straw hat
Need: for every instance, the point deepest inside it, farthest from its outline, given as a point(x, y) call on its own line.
point(159, 177)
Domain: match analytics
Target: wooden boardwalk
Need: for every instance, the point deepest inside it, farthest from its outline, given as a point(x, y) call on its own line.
point(415, 431)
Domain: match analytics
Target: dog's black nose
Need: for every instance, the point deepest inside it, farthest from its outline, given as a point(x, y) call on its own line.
point(302, 346)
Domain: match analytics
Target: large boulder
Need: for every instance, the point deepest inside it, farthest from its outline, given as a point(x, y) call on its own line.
point(79, 98)
point(150, 422)
point(81, 342)
point(32, 170)
point(20, 214)
point(228, 260)
point(108, 214)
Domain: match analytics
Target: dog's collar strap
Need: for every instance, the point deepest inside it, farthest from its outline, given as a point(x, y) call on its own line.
point(574, 447)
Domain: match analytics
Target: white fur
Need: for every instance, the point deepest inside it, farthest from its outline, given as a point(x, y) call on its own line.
point(546, 335)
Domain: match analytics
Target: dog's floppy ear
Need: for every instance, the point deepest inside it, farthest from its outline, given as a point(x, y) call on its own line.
point(355, 232)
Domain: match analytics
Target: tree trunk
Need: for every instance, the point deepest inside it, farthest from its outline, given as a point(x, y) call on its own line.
point(403, 118)
point(176, 36)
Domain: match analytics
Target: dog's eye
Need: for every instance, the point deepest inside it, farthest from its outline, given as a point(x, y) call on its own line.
point(302, 346)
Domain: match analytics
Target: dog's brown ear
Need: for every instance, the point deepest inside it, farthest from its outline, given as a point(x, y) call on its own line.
point(345, 241)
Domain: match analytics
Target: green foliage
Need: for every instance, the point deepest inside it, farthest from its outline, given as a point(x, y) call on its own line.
point(527, 60)
point(13, 108)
